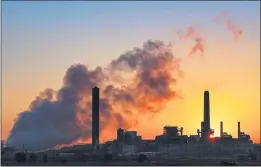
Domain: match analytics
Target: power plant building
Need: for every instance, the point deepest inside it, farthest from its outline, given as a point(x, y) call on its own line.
point(120, 135)
point(174, 143)
point(95, 117)
point(172, 131)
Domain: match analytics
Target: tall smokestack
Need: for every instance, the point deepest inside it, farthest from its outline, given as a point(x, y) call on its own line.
point(238, 129)
point(206, 113)
point(95, 117)
point(221, 129)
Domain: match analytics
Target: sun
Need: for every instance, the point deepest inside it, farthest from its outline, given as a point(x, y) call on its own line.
point(212, 136)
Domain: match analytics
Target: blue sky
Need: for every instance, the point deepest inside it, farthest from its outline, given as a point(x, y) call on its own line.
point(104, 23)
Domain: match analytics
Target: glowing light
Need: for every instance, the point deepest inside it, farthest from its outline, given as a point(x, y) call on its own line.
point(212, 136)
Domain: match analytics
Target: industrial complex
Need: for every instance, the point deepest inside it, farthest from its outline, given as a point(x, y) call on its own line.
point(174, 143)
point(171, 145)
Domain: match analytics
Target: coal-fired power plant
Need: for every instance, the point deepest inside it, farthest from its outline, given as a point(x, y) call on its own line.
point(206, 128)
point(172, 143)
point(95, 117)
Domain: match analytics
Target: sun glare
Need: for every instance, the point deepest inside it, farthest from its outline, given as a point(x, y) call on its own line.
point(212, 136)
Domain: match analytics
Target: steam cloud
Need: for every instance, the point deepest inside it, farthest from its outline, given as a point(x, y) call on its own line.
point(58, 117)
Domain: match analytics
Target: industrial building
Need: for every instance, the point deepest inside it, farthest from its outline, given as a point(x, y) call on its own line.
point(175, 144)
point(171, 144)
point(124, 136)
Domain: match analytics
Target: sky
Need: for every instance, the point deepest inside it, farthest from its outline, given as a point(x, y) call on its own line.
point(40, 40)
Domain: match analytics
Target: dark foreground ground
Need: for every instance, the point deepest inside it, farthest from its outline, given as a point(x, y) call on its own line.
point(133, 163)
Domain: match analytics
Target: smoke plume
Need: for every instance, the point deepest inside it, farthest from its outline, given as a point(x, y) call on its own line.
point(140, 81)
point(192, 33)
point(223, 18)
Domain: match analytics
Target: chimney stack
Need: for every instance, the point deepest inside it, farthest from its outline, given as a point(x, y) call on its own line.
point(238, 130)
point(221, 129)
point(206, 113)
point(95, 117)
point(202, 129)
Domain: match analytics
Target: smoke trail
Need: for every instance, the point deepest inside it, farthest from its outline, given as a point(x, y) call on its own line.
point(64, 116)
point(237, 32)
point(197, 47)
point(222, 18)
point(188, 33)
point(192, 33)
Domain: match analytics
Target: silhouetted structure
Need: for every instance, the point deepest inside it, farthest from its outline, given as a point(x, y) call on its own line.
point(95, 117)
point(242, 135)
point(120, 135)
point(170, 131)
point(172, 143)
point(238, 130)
point(221, 129)
point(206, 115)
point(202, 129)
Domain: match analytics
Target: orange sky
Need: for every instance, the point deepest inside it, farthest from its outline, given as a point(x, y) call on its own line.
point(234, 93)
point(35, 58)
